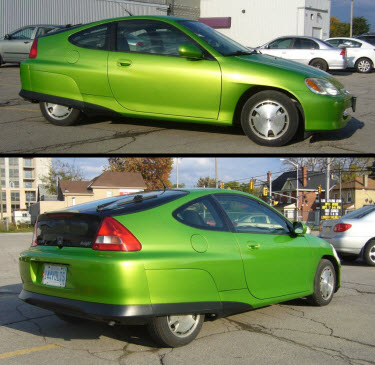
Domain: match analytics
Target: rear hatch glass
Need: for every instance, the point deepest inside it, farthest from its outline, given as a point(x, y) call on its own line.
point(67, 229)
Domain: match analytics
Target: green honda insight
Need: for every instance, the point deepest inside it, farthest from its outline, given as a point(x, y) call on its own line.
point(170, 259)
point(177, 69)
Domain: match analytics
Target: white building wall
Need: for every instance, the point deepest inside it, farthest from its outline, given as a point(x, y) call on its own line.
point(256, 22)
point(18, 13)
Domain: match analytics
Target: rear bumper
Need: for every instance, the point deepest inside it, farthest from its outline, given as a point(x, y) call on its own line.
point(346, 244)
point(128, 314)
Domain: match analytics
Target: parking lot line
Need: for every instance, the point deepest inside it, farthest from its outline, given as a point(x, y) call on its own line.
point(27, 351)
point(21, 109)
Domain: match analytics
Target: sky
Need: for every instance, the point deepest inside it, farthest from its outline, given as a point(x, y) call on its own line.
point(365, 8)
point(191, 169)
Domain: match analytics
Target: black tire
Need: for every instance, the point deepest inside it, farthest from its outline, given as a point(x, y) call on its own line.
point(364, 65)
point(324, 284)
point(1, 60)
point(70, 319)
point(160, 330)
point(369, 253)
point(320, 64)
point(284, 110)
point(58, 114)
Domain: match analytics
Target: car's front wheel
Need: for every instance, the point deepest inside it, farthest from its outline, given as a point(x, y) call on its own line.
point(175, 330)
point(324, 284)
point(369, 253)
point(59, 114)
point(270, 118)
point(364, 65)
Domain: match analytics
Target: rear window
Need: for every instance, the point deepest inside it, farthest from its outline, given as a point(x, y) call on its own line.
point(361, 212)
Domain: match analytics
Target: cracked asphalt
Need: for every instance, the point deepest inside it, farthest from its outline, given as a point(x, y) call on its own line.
point(24, 130)
point(287, 333)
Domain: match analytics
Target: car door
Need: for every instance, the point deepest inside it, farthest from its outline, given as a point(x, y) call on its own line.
point(279, 47)
point(276, 262)
point(17, 48)
point(149, 76)
point(304, 50)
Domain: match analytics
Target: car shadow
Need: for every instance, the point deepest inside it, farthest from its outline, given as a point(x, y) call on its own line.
point(20, 316)
point(10, 65)
point(352, 127)
point(345, 72)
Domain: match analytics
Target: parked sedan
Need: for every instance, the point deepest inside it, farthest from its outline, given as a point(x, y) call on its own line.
point(168, 259)
point(369, 38)
point(353, 235)
point(308, 50)
point(15, 47)
point(178, 69)
point(360, 54)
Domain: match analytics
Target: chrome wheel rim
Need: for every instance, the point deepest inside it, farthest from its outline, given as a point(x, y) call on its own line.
point(57, 111)
point(371, 254)
point(326, 283)
point(183, 325)
point(364, 66)
point(269, 120)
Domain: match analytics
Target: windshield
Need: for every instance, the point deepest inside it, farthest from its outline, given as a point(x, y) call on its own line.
point(218, 41)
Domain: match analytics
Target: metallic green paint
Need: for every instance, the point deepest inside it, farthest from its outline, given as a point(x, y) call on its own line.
point(175, 88)
point(256, 269)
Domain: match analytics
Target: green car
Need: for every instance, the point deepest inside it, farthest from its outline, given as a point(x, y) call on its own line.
point(169, 259)
point(179, 70)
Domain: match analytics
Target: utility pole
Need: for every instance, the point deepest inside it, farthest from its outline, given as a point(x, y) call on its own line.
point(269, 179)
point(328, 173)
point(340, 197)
point(1, 195)
point(351, 19)
point(216, 174)
point(177, 173)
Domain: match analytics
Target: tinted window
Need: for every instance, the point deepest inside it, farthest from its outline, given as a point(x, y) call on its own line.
point(302, 43)
point(350, 43)
point(282, 43)
point(152, 37)
point(334, 42)
point(24, 33)
point(200, 214)
point(248, 215)
point(93, 38)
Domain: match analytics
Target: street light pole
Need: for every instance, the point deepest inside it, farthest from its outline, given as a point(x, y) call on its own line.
point(351, 19)
point(216, 174)
point(177, 173)
point(297, 197)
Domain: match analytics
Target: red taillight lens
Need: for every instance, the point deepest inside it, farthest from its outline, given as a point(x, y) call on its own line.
point(343, 52)
point(341, 227)
point(34, 49)
point(139, 44)
point(34, 242)
point(113, 236)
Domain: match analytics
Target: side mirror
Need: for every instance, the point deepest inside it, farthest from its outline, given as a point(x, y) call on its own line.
point(7, 36)
point(299, 228)
point(190, 51)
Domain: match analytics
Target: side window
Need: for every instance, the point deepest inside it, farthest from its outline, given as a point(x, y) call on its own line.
point(93, 38)
point(150, 37)
point(352, 44)
point(24, 33)
point(200, 214)
point(250, 216)
point(281, 43)
point(301, 43)
point(334, 42)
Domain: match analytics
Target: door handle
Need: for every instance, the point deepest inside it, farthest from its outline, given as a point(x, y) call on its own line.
point(124, 63)
point(252, 246)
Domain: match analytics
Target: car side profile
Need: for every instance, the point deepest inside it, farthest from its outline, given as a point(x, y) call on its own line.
point(352, 235)
point(170, 259)
point(15, 46)
point(308, 50)
point(179, 70)
point(360, 54)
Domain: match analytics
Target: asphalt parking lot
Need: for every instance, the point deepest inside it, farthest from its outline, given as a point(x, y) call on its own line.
point(24, 130)
point(288, 333)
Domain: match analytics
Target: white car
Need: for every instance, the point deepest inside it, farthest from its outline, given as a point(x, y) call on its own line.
point(360, 54)
point(308, 50)
point(353, 235)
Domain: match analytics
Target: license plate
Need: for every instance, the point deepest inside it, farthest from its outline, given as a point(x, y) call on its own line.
point(54, 275)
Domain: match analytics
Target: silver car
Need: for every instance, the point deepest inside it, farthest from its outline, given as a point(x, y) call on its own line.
point(308, 50)
point(353, 235)
point(15, 47)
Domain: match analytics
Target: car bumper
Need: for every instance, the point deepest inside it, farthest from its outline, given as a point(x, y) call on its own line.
point(346, 245)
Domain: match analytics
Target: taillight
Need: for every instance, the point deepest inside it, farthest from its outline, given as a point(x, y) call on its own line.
point(139, 44)
point(113, 236)
point(34, 49)
point(341, 227)
point(343, 52)
point(34, 242)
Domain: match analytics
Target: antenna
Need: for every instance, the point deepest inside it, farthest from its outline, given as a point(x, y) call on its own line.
point(165, 186)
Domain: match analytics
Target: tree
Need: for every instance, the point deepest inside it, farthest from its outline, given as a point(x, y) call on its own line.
point(206, 182)
point(153, 169)
point(360, 25)
point(339, 29)
point(60, 170)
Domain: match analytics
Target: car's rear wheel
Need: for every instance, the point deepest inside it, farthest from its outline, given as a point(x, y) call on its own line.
point(270, 118)
point(364, 65)
point(175, 330)
point(324, 284)
point(320, 64)
point(369, 253)
point(59, 114)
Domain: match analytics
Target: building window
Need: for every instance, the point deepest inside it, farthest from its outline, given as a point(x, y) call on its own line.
point(27, 162)
point(349, 197)
point(15, 207)
point(14, 174)
point(13, 161)
point(30, 196)
point(2, 161)
point(73, 201)
point(15, 196)
point(28, 184)
point(14, 184)
point(289, 199)
point(28, 174)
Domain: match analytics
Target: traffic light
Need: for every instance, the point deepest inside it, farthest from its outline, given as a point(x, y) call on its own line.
point(319, 189)
point(251, 185)
point(265, 191)
point(222, 185)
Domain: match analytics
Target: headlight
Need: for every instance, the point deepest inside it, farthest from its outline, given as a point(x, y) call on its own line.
point(335, 254)
point(322, 87)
